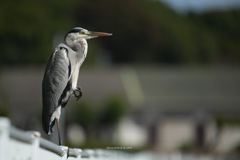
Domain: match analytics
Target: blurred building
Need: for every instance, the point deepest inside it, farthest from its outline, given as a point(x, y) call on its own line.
point(170, 108)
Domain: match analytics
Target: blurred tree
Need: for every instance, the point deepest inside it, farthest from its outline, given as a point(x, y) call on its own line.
point(4, 109)
point(112, 111)
point(84, 115)
point(218, 38)
point(148, 31)
point(144, 31)
point(98, 125)
point(27, 29)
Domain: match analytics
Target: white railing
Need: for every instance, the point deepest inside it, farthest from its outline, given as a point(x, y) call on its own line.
point(16, 144)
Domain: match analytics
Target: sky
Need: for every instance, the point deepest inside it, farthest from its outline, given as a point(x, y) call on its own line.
point(201, 5)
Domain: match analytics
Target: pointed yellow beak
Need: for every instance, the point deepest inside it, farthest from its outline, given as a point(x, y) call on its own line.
point(98, 34)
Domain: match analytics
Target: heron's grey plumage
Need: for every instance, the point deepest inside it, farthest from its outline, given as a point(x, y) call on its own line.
point(61, 75)
point(55, 81)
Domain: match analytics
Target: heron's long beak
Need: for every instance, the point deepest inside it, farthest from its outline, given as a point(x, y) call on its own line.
point(98, 34)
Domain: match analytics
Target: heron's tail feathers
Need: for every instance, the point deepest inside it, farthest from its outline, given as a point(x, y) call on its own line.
point(49, 120)
point(48, 126)
point(51, 127)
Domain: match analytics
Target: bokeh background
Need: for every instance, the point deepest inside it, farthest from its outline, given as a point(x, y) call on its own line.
point(166, 81)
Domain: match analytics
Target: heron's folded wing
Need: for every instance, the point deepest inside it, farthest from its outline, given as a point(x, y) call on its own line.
point(54, 82)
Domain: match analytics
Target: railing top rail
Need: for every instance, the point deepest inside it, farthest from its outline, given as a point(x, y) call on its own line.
point(21, 136)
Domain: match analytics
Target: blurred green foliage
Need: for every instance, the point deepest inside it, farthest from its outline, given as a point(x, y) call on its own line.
point(112, 111)
point(223, 120)
point(97, 119)
point(84, 114)
point(4, 103)
point(4, 111)
point(144, 31)
point(237, 149)
point(187, 147)
point(27, 29)
point(109, 114)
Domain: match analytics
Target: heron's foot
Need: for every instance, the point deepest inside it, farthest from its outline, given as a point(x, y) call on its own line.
point(77, 93)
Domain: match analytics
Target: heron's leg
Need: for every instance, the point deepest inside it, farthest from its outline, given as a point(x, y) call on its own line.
point(59, 135)
point(77, 93)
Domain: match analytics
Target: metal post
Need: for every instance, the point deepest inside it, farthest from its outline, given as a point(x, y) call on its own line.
point(35, 145)
point(4, 138)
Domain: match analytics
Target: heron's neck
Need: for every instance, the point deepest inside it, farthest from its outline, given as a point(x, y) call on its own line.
point(80, 46)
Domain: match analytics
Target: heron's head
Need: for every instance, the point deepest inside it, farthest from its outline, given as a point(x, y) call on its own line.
point(80, 33)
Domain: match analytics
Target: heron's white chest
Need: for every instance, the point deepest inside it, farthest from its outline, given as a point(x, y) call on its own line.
point(75, 76)
point(80, 57)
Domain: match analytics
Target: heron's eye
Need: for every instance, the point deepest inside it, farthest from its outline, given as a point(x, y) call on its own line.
point(83, 31)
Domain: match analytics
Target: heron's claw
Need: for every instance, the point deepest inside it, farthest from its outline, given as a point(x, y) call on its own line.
point(77, 93)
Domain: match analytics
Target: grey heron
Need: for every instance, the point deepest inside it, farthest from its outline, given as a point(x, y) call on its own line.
point(61, 75)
